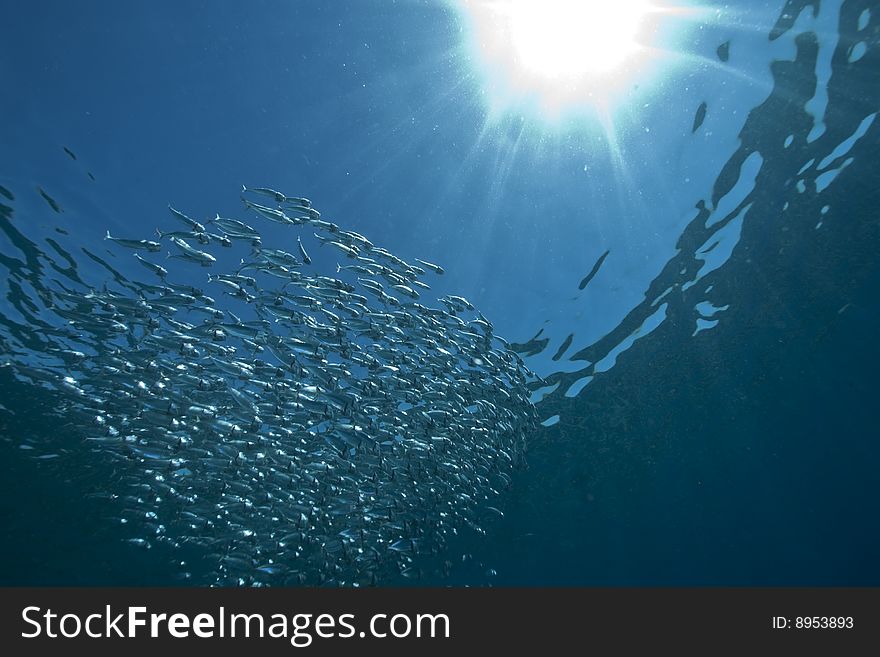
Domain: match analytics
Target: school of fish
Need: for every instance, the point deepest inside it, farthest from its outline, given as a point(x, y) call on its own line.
point(296, 426)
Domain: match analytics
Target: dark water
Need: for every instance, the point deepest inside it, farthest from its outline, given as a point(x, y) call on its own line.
point(746, 454)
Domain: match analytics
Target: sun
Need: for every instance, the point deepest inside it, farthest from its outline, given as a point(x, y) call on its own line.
point(570, 39)
point(564, 55)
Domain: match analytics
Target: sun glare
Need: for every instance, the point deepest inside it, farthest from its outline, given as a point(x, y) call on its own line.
point(560, 39)
point(563, 55)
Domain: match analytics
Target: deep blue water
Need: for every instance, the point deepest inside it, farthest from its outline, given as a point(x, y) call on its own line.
point(741, 451)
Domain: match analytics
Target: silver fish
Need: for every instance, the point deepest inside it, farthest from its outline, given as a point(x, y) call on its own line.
point(160, 271)
point(190, 253)
point(301, 428)
point(192, 223)
point(302, 250)
point(437, 269)
point(134, 244)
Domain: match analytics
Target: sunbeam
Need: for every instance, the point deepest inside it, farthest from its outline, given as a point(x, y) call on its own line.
point(560, 58)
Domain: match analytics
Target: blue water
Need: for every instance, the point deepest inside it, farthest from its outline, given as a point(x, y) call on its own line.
point(713, 409)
